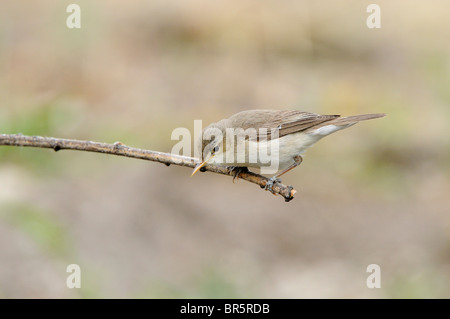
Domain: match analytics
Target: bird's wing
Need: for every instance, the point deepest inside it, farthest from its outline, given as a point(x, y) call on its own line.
point(285, 122)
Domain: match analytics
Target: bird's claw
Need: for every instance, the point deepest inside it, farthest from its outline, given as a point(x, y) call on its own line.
point(270, 183)
point(236, 171)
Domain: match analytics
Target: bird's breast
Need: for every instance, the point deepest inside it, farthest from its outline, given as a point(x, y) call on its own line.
point(278, 152)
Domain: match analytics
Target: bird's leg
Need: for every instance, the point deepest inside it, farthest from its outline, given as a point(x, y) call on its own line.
point(297, 161)
point(237, 170)
point(271, 182)
point(274, 179)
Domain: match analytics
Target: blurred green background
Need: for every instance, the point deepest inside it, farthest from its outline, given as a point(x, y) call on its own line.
point(375, 193)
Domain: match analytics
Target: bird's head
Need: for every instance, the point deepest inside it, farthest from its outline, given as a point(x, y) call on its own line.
point(212, 146)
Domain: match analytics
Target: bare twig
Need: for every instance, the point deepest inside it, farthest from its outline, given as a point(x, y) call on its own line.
point(122, 150)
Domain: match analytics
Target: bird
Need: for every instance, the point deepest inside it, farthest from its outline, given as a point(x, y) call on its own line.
point(280, 135)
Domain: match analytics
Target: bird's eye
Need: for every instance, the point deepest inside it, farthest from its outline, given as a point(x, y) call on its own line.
point(214, 150)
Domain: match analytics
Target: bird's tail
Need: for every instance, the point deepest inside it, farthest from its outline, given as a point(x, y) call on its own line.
point(340, 123)
point(354, 119)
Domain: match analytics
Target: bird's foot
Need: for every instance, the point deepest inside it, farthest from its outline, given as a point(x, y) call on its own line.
point(270, 183)
point(236, 171)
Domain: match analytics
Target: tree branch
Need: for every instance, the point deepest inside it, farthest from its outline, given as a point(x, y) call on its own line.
point(122, 150)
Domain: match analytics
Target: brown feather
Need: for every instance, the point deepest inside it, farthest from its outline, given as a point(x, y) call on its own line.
point(349, 120)
point(286, 122)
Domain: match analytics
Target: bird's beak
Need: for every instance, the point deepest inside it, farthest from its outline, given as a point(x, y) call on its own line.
point(200, 165)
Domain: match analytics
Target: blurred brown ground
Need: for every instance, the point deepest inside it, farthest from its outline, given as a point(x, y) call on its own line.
point(375, 193)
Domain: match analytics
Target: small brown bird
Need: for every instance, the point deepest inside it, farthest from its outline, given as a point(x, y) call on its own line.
point(280, 135)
